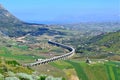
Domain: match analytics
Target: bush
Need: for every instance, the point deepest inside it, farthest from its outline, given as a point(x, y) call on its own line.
point(24, 76)
point(49, 78)
point(10, 74)
point(52, 78)
point(42, 77)
point(21, 69)
point(63, 79)
point(1, 77)
point(13, 62)
point(35, 77)
point(12, 78)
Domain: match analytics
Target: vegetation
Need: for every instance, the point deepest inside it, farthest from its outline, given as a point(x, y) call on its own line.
point(12, 70)
point(96, 70)
point(100, 46)
point(22, 43)
point(108, 42)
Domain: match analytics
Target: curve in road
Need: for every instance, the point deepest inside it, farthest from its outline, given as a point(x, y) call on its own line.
point(71, 53)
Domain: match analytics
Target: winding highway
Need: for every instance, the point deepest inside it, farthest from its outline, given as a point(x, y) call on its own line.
point(64, 56)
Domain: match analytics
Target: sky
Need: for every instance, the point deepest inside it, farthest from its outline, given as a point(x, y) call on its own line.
point(64, 11)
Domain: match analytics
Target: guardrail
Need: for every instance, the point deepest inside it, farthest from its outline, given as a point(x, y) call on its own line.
point(67, 55)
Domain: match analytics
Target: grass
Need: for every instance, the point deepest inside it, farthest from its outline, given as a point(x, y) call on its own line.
point(17, 57)
point(113, 70)
point(70, 65)
point(116, 73)
point(13, 55)
point(80, 72)
point(4, 50)
point(57, 50)
point(98, 71)
point(108, 71)
point(22, 47)
point(12, 65)
point(44, 50)
point(61, 64)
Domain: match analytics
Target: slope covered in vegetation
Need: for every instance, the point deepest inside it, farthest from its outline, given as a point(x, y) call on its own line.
point(109, 42)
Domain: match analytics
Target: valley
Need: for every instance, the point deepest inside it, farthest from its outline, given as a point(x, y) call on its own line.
point(22, 43)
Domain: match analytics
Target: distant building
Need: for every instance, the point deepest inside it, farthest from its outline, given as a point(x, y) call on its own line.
point(88, 60)
point(39, 60)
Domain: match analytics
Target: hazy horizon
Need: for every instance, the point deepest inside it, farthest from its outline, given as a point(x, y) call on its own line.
point(64, 11)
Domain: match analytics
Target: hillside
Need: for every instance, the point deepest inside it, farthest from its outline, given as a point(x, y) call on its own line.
point(7, 17)
point(8, 22)
point(13, 27)
point(109, 42)
point(106, 45)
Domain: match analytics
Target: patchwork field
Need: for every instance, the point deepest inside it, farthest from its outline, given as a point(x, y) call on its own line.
point(95, 71)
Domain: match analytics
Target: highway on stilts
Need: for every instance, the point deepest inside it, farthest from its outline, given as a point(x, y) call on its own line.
point(55, 58)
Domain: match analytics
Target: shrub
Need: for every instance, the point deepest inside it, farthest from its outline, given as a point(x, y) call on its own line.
point(1, 77)
point(42, 77)
point(13, 62)
point(52, 78)
point(24, 76)
point(4, 68)
point(49, 78)
point(10, 74)
point(21, 69)
point(63, 79)
point(12, 78)
point(35, 77)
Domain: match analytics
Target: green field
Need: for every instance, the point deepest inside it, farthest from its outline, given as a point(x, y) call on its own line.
point(97, 71)
point(17, 54)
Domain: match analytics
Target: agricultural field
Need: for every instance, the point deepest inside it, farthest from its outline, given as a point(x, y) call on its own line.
point(97, 70)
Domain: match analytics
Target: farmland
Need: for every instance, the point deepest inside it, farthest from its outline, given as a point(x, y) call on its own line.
point(94, 71)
